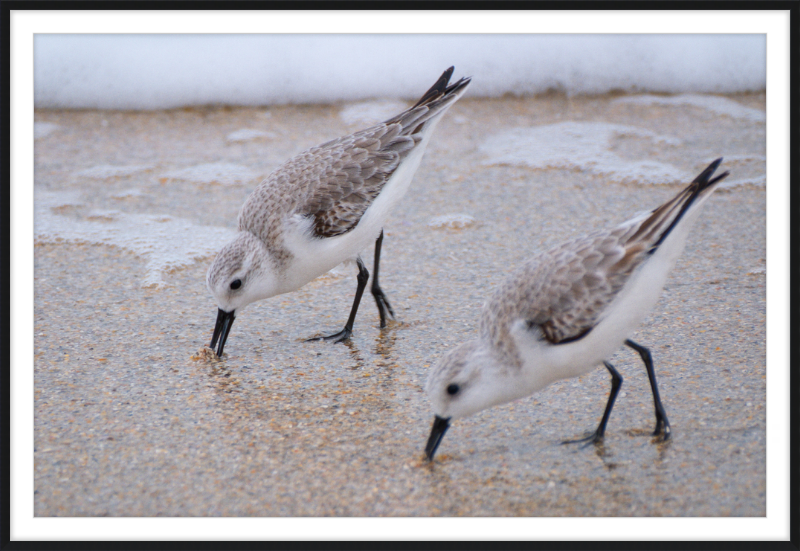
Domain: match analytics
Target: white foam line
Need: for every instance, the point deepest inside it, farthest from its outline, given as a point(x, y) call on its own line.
point(583, 146)
point(164, 242)
point(214, 173)
point(714, 104)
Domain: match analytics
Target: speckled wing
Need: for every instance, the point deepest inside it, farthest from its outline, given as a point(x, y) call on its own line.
point(336, 182)
point(357, 167)
point(563, 292)
point(345, 176)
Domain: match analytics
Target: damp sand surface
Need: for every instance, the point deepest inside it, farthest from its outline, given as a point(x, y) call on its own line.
point(132, 420)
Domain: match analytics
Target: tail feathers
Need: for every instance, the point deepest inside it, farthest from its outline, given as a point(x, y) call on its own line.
point(434, 102)
point(437, 90)
point(664, 219)
point(703, 179)
point(441, 89)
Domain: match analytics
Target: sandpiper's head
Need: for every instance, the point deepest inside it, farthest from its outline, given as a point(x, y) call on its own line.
point(465, 381)
point(239, 275)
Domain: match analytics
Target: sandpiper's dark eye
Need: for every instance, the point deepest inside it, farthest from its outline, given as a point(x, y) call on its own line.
point(236, 283)
point(453, 389)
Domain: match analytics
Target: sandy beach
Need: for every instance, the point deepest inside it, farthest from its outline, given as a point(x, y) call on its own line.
point(131, 420)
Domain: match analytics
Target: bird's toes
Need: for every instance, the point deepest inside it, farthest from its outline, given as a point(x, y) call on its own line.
point(593, 438)
point(341, 336)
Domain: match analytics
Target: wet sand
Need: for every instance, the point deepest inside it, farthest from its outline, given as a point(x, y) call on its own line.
point(130, 421)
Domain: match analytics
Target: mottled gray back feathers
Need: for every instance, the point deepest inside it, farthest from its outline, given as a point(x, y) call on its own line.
point(336, 182)
point(563, 292)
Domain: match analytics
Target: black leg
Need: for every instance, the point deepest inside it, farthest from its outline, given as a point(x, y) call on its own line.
point(597, 436)
point(662, 424)
point(380, 299)
point(344, 334)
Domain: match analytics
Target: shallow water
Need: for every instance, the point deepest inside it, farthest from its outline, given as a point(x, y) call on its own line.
point(131, 421)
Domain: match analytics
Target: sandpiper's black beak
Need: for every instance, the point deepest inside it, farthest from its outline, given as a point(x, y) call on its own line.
point(221, 330)
point(440, 426)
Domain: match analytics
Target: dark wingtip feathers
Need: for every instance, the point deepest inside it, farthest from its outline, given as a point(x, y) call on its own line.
point(718, 178)
point(440, 88)
point(458, 85)
point(704, 178)
point(695, 189)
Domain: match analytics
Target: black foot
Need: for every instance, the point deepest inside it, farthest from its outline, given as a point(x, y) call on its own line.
point(341, 336)
point(662, 429)
point(384, 308)
point(594, 438)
